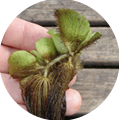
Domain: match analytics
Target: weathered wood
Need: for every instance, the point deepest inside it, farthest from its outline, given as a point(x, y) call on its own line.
point(94, 86)
point(56, 4)
point(43, 12)
point(104, 53)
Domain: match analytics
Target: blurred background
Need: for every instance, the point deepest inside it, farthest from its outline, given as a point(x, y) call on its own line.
point(101, 61)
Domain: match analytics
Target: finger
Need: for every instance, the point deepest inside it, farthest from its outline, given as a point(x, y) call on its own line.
point(23, 35)
point(5, 53)
point(13, 88)
point(73, 101)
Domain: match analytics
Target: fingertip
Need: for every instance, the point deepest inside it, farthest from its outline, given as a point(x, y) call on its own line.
point(73, 101)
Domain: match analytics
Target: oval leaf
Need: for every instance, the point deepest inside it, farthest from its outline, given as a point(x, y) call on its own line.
point(21, 63)
point(45, 47)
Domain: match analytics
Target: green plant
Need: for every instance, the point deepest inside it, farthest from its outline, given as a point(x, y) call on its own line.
point(46, 71)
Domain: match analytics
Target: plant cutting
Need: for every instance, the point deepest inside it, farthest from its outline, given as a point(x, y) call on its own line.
point(46, 71)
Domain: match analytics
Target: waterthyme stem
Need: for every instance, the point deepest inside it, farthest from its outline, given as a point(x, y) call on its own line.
point(70, 59)
point(46, 72)
point(52, 63)
point(56, 60)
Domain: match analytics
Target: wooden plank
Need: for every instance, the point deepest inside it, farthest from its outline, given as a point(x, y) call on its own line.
point(42, 13)
point(104, 53)
point(94, 86)
point(40, 16)
point(56, 4)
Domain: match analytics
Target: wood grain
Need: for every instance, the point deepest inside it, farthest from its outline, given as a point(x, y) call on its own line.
point(94, 86)
point(43, 13)
point(105, 51)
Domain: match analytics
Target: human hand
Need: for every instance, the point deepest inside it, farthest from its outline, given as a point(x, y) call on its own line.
point(22, 35)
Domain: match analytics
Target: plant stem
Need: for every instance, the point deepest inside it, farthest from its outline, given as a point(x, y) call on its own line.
point(53, 62)
point(56, 60)
point(46, 72)
point(70, 60)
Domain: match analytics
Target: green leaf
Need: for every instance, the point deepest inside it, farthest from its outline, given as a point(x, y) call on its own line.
point(46, 49)
point(59, 44)
point(21, 61)
point(73, 27)
point(90, 39)
point(75, 30)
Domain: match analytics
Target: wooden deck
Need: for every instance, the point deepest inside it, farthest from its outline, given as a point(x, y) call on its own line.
point(101, 61)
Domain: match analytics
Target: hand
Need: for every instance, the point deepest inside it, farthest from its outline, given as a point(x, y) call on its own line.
point(22, 35)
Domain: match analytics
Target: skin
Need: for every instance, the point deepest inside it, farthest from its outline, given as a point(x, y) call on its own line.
point(22, 35)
